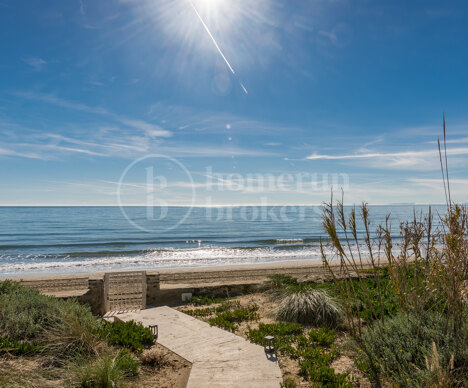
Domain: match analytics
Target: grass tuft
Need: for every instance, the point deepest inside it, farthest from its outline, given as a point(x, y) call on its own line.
point(108, 371)
point(314, 307)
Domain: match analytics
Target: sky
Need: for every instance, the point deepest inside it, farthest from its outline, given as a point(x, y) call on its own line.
point(222, 102)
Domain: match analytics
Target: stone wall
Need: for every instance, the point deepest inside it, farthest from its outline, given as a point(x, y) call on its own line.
point(95, 296)
point(152, 287)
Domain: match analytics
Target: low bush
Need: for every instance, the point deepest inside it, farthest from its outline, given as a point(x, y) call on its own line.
point(67, 333)
point(285, 335)
point(77, 331)
point(107, 371)
point(288, 383)
point(205, 300)
point(229, 319)
point(65, 327)
point(24, 313)
point(281, 330)
point(324, 375)
point(204, 312)
point(314, 307)
point(403, 347)
point(207, 311)
point(322, 336)
point(17, 348)
point(280, 281)
point(131, 335)
point(315, 360)
point(227, 306)
point(314, 350)
point(154, 358)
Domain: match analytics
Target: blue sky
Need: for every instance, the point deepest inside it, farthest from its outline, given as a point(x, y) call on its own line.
point(333, 88)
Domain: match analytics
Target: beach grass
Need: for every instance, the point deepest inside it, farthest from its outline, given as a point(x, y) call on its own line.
point(66, 341)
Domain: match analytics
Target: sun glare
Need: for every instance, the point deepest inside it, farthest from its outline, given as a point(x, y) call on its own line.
point(239, 33)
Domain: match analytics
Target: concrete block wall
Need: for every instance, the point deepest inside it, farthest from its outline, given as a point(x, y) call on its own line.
point(95, 296)
point(152, 287)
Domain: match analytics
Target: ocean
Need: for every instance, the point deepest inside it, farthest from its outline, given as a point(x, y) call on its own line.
point(54, 240)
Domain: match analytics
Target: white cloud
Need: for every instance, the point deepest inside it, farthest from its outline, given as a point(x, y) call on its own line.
point(36, 63)
point(149, 129)
point(421, 160)
point(82, 8)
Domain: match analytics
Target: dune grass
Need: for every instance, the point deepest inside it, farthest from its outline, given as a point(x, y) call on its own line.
point(313, 307)
point(66, 337)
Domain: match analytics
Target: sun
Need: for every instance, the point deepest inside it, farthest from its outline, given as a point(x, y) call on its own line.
point(239, 31)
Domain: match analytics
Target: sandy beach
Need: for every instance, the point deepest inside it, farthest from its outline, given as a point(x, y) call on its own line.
point(304, 270)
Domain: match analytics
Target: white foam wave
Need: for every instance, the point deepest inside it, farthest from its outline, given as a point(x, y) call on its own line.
point(168, 258)
point(289, 240)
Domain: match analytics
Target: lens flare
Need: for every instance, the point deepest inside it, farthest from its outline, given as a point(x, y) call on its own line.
point(215, 43)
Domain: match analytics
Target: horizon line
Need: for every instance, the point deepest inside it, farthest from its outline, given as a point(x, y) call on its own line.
point(236, 205)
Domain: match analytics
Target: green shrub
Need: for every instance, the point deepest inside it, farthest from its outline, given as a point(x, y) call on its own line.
point(227, 306)
point(17, 348)
point(24, 313)
point(313, 307)
point(402, 347)
point(324, 375)
point(279, 330)
point(207, 311)
point(223, 323)
point(205, 300)
point(322, 336)
point(278, 281)
point(77, 331)
point(315, 366)
point(228, 319)
point(288, 383)
point(65, 327)
point(285, 335)
point(131, 335)
point(314, 350)
point(368, 304)
point(107, 371)
point(199, 312)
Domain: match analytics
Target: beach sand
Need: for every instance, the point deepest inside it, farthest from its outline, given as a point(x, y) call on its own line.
point(304, 270)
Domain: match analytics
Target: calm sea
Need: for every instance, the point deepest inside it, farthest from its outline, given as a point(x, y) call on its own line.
point(51, 240)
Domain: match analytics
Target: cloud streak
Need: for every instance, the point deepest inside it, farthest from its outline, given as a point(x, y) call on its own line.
point(34, 62)
point(150, 129)
point(409, 154)
point(400, 159)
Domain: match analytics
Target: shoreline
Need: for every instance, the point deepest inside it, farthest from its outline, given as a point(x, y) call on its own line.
point(177, 270)
point(249, 273)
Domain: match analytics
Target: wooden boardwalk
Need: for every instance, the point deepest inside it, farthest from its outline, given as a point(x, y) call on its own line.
point(219, 358)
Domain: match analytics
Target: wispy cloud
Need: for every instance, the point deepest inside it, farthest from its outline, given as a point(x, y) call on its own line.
point(34, 62)
point(54, 100)
point(150, 129)
point(422, 159)
point(82, 8)
point(28, 155)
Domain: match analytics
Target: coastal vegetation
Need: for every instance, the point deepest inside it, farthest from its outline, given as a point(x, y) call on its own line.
point(397, 309)
point(410, 326)
point(313, 307)
point(45, 341)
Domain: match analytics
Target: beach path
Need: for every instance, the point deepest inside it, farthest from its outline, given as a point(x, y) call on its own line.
point(219, 358)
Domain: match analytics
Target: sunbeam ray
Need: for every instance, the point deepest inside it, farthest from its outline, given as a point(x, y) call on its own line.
point(216, 44)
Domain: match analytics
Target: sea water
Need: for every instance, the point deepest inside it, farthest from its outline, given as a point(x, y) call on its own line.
point(53, 240)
